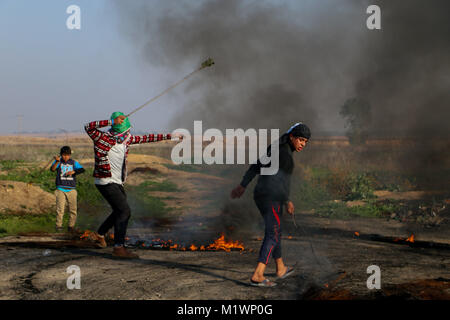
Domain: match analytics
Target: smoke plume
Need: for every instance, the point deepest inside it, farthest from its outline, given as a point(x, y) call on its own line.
point(280, 62)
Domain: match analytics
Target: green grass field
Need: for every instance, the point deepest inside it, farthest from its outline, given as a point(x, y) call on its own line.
point(324, 173)
point(92, 208)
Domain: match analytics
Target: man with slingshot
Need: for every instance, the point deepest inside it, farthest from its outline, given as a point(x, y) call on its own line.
point(110, 171)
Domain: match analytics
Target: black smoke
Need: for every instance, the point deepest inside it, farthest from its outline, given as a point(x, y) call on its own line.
point(279, 62)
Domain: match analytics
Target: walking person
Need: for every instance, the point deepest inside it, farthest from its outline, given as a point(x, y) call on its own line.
point(271, 194)
point(66, 171)
point(111, 150)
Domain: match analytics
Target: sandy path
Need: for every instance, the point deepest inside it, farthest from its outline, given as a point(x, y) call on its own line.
point(196, 190)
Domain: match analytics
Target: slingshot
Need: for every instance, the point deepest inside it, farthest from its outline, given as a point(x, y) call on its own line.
point(207, 63)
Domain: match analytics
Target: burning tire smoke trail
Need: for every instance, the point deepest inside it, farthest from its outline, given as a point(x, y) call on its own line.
point(306, 58)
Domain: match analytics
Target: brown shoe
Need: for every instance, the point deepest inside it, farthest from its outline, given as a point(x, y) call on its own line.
point(121, 252)
point(101, 242)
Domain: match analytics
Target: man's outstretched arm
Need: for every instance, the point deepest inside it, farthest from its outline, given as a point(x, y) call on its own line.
point(150, 138)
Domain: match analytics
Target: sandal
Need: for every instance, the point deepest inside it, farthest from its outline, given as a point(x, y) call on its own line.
point(289, 271)
point(265, 283)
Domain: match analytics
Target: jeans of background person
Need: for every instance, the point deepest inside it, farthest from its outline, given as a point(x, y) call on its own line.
point(69, 197)
point(115, 195)
point(271, 211)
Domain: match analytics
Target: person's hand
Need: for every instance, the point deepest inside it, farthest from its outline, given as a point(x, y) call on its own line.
point(290, 207)
point(237, 192)
point(69, 173)
point(119, 119)
point(57, 158)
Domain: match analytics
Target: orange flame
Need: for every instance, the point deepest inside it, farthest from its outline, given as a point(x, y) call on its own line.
point(411, 238)
point(221, 244)
point(357, 233)
point(217, 245)
point(85, 235)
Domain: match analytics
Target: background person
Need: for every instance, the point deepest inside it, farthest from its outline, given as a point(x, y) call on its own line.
point(271, 194)
point(66, 171)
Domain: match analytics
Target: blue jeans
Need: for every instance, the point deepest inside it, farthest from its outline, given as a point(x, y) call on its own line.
point(271, 211)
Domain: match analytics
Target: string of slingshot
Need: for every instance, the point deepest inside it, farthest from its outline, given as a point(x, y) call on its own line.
point(207, 63)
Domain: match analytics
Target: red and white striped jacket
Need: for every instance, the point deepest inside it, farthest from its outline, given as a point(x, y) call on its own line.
point(104, 141)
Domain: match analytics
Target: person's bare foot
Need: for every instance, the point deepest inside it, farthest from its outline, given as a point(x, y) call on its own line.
point(258, 278)
point(282, 271)
point(265, 283)
point(288, 271)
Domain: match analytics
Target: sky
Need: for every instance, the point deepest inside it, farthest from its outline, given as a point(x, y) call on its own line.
point(278, 62)
point(60, 79)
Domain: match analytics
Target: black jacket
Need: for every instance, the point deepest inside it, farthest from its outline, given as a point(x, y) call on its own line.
point(274, 187)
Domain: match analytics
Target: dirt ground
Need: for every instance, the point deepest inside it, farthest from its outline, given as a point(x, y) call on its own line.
point(21, 197)
point(34, 267)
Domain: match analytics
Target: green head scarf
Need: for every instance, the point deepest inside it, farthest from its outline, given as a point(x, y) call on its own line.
point(124, 126)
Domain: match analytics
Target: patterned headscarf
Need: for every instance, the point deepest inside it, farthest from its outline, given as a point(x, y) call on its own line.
point(124, 126)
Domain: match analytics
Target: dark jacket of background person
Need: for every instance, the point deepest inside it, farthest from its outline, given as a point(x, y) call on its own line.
point(273, 187)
